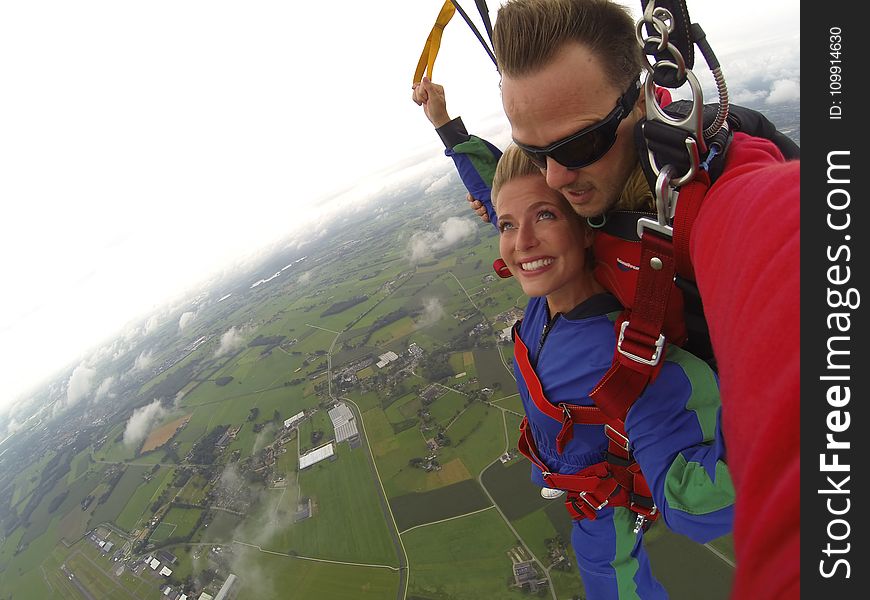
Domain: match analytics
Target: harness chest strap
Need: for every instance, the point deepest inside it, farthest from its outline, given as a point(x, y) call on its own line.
point(641, 343)
point(569, 414)
point(617, 481)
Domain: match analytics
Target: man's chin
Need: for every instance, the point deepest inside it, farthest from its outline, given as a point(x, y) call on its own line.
point(587, 209)
point(587, 204)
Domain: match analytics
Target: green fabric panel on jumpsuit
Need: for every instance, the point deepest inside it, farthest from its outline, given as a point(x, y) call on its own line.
point(705, 400)
point(480, 156)
point(625, 569)
point(688, 487)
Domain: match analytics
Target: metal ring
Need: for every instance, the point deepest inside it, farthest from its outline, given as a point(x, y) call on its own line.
point(660, 27)
point(595, 225)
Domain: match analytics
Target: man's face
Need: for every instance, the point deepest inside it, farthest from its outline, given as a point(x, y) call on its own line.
point(567, 95)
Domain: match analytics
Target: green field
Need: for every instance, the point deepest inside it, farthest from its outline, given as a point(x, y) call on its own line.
point(447, 407)
point(464, 558)
point(337, 531)
point(126, 487)
point(141, 500)
point(272, 576)
point(512, 488)
point(183, 519)
point(492, 373)
point(477, 436)
point(417, 508)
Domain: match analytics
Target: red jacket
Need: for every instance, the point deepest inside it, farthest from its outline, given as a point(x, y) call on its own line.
point(745, 248)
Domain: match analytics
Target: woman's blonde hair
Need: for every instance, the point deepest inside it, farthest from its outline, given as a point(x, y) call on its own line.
point(513, 164)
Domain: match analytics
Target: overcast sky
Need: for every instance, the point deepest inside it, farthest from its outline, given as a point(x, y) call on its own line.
point(146, 145)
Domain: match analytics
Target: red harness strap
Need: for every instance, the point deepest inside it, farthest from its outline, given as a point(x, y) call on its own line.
point(641, 342)
point(618, 481)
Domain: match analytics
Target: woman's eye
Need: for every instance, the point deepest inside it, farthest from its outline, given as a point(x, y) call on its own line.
point(504, 226)
point(546, 214)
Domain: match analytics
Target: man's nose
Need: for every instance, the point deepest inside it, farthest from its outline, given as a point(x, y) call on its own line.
point(558, 176)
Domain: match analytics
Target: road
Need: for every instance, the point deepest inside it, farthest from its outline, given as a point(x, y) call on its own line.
point(75, 581)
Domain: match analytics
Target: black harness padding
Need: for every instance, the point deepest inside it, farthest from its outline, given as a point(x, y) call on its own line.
point(681, 38)
point(667, 142)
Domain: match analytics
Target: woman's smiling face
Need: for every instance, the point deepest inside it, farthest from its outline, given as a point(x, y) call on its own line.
point(543, 242)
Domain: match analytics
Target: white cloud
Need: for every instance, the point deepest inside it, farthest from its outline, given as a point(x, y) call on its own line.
point(141, 422)
point(80, 384)
point(143, 361)
point(12, 426)
point(231, 340)
point(783, 91)
point(441, 183)
point(151, 324)
point(433, 310)
point(104, 388)
point(452, 231)
point(185, 319)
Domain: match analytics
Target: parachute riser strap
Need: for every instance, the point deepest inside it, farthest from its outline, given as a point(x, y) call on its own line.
point(426, 64)
point(640, 345)
point(691, 197)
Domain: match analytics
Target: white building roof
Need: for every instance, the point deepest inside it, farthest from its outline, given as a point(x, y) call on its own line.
point(225, 588)
point(316, 455)
point(340, 414)
point(154, 563)
point(294, 419)
point(345, 431)
point(166, 572)
point(389, 356)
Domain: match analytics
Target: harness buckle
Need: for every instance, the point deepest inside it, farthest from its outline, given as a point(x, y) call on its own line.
point(657, 353)
point(596, 508)
point(619, 439)
point(638, 522)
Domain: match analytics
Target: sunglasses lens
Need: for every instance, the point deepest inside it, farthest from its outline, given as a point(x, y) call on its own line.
point(539, 159)
point(585, 149)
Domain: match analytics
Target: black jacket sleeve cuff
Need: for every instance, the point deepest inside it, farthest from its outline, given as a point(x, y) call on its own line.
point(453, 133)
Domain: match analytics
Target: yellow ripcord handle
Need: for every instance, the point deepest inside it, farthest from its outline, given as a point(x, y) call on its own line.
point(433, 42)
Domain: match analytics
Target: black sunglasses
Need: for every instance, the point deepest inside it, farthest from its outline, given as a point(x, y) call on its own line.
point(590, 143)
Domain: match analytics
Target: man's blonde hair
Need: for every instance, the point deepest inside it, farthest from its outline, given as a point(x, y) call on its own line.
point(528, 34)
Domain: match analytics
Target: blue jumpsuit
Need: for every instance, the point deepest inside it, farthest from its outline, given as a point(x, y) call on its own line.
point(674, 425)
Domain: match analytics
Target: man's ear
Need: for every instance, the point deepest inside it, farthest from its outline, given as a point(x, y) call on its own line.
point(640, 106)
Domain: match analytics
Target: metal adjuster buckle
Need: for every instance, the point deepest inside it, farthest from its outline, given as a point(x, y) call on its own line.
point(657, 354)
point(638, 523)
point(620, 440)
point(597, 508)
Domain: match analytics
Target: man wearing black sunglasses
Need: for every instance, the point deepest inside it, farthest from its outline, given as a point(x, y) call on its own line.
point(568, 67)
